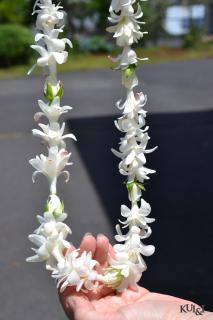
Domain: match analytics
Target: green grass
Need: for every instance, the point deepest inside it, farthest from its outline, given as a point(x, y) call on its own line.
point(89, 61)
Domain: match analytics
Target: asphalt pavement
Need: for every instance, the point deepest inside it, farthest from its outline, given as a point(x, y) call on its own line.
point(26, 290)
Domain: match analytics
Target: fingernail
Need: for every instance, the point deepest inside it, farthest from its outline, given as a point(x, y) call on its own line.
point(88, 234)
point(100, 235)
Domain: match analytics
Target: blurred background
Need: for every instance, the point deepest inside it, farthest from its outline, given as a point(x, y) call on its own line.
point(178, 80)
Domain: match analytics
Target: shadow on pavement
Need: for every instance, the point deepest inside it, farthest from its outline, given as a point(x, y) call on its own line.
point(180, 194)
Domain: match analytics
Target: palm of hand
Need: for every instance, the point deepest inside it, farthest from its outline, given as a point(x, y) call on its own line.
point(129, 305)
point(106, 304)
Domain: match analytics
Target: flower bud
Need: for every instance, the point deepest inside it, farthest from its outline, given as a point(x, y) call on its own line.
point(54, 206)
point(53, 91)
point(128, 72)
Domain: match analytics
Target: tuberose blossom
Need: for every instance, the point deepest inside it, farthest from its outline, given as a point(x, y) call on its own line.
point(51, 244)
point(126, 58)
point(51, 49)
point(126, 29)
point(123, 273)
point(76, 270)
point(48, 14)
point(51, 110)
point(52, 166)
point(136, 216)
point(53, 134)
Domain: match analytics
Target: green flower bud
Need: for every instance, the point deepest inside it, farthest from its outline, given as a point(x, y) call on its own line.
point(128, 72)
point(50, 91)
point(113, 277)
point(131, 184)
point(54, 206)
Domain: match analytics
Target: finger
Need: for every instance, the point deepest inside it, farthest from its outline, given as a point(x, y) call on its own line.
point(88, 244)
point(102, 249)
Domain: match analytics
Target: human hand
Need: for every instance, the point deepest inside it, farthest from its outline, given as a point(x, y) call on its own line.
point(107, 304)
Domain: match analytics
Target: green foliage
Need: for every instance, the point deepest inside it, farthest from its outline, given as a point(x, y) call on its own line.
point(154, 14)
point(15, 44)
point(102, 7)
point(193, 38)
point(96, 44)
point(14, 11)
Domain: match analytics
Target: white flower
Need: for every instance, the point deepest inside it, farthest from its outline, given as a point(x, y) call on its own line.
point(132, 152)
point(52, 42)
point(143, 233)
point(49, 14)
point(52, 111)
point(54, 213)
point(52, 219)
point(134, 103)
point(136, 171)
point(136, 216)
point(49, 58)
point(123, 273)
point(52, 228)
point(133, 149)
point(51, 49)
point(52, 166)
point(127, 29)
point(50, 249)
point(53, 134)
point(50, 236)
point(133, 245)
point(49, 217)
point(125, 59)
point(76, 271)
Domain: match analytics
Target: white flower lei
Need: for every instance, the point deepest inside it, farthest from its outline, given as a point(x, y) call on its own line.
point(72, 268)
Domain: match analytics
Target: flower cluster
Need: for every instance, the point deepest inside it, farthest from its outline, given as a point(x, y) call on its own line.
point(50, 238)
point(76, 270)
point(126, 268)
point(50, 19)
point(51, 234)
point(49, 23)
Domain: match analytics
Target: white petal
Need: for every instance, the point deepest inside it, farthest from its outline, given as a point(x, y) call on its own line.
point(125, 211)
point(147, 250)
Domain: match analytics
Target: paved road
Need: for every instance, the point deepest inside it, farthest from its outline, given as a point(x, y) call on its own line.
point(26, 292)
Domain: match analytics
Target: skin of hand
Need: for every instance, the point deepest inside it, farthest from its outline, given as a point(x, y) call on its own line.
point(107, 304)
